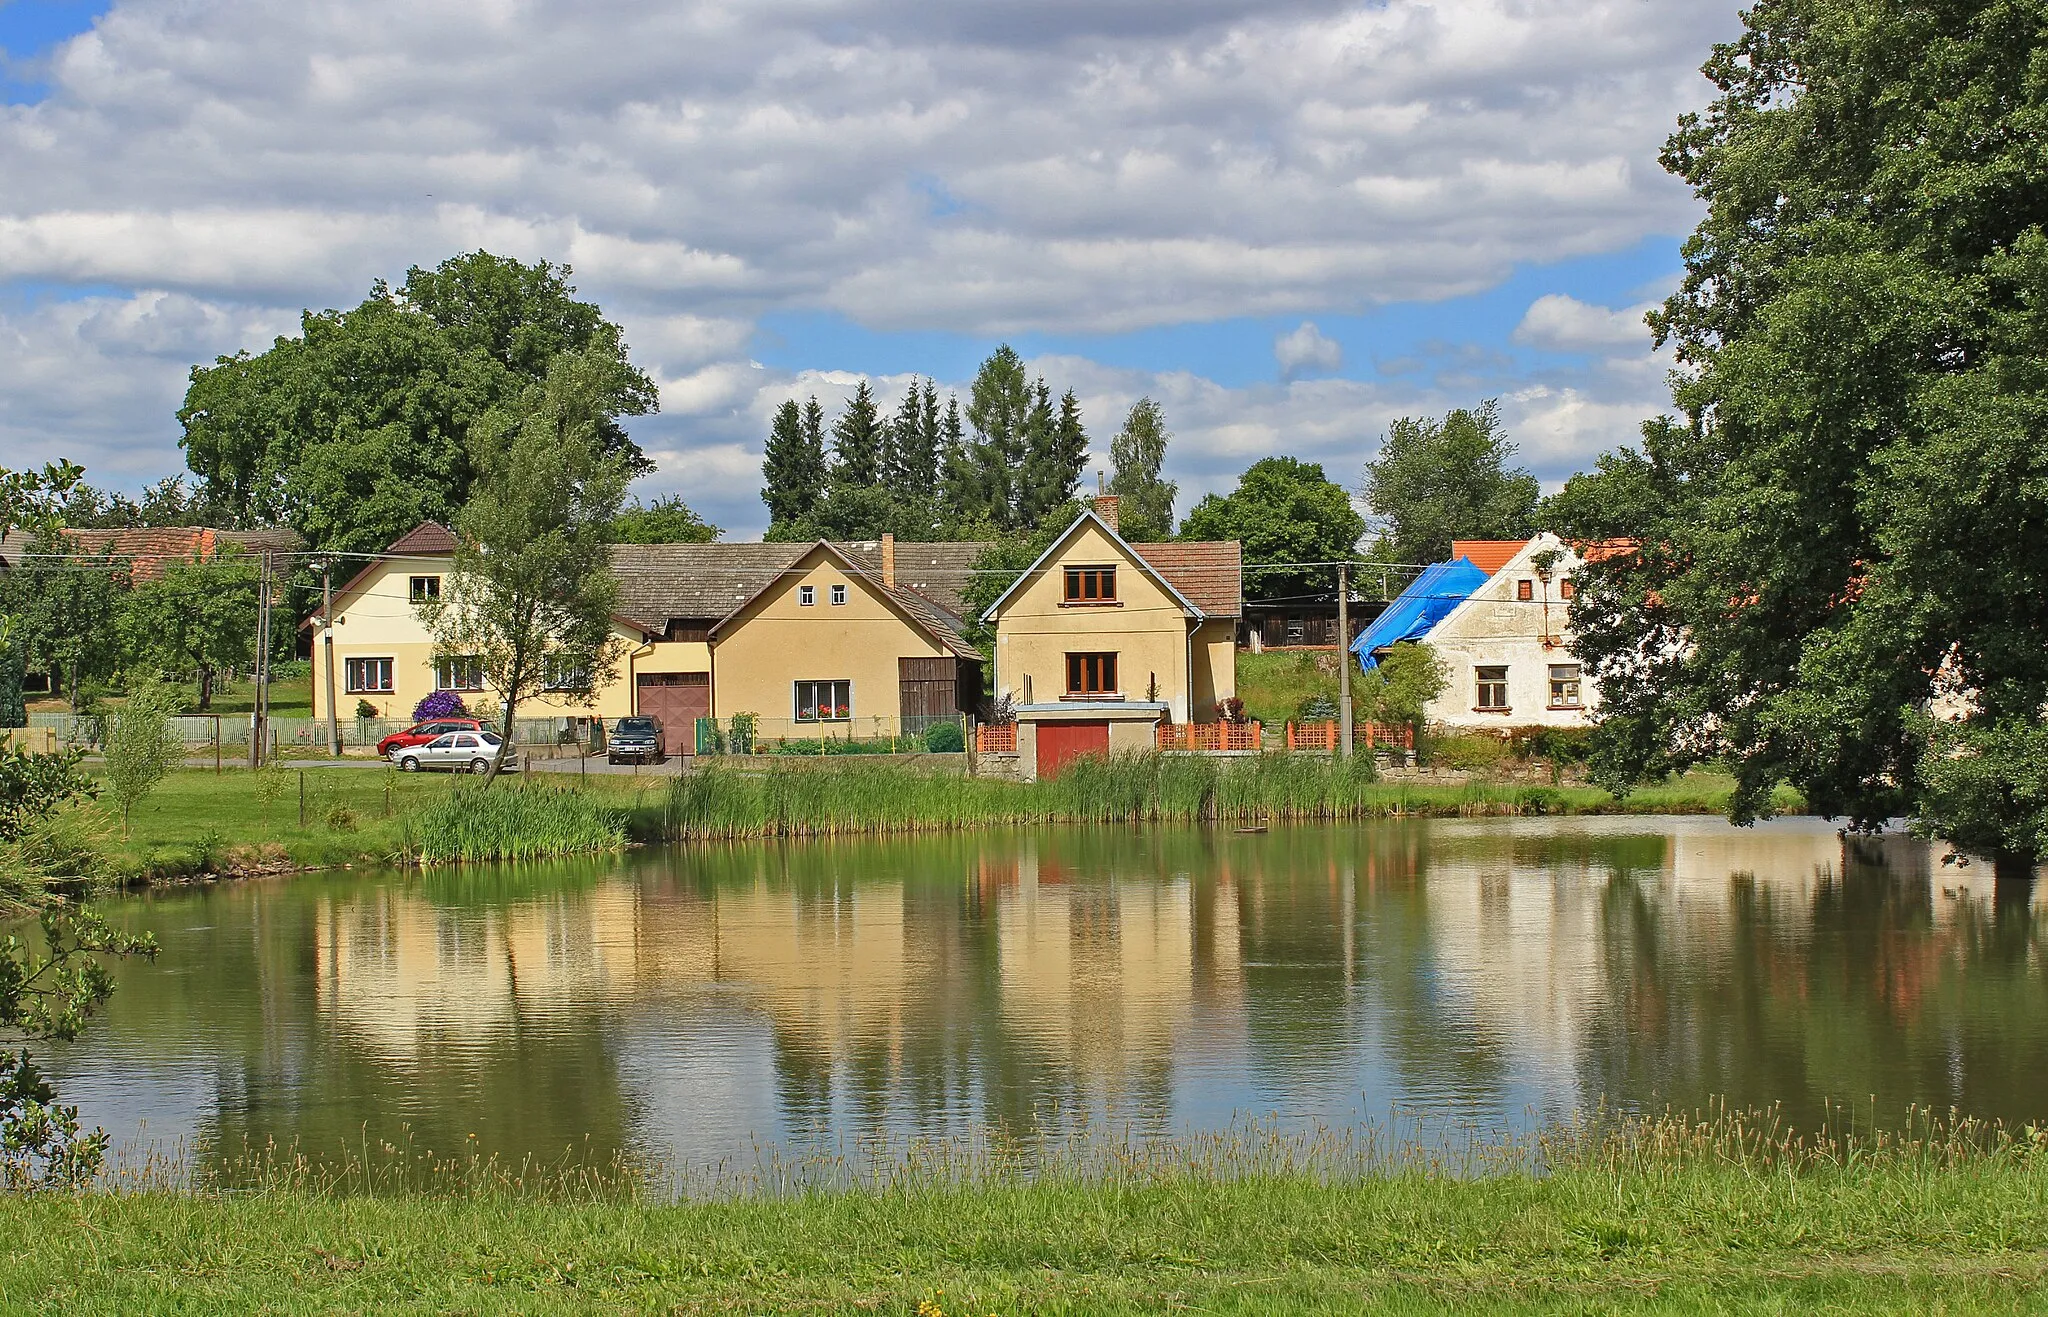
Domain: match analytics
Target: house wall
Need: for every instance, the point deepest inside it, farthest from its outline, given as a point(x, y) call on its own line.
point(379, 620)
point(1147, 629)
point(1215, 666)
point(758, 657)
point(1494, 629)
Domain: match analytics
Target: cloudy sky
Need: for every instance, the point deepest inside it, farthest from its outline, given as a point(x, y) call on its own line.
point(1288, 220)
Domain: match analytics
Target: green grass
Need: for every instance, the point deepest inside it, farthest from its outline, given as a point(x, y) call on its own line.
point(1666, 1216)
point(512, 821)
point(1273, 686)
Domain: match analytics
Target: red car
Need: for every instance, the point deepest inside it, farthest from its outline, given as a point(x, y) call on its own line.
point(421, 733)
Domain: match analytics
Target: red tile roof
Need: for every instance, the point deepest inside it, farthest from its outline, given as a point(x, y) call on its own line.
point(1488, 556)
point(149, 548)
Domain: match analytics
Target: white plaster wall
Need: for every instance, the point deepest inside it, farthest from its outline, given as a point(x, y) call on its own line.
point(1494, 629)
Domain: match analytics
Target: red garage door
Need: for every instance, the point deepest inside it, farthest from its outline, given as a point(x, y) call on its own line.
point(1060, 742)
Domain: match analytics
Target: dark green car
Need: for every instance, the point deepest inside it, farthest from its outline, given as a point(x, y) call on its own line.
point(636, 741)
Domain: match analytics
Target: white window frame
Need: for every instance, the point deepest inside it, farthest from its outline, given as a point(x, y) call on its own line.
point(462, 666)
point(806, 596)
point(560, 678)
point(838, 595)
point(1481, 683)
point(796, 700)
point(354, 671)
point(414, 594)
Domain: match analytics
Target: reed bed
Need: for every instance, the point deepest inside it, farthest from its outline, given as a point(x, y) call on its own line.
point(526, 821)
point(716, 802)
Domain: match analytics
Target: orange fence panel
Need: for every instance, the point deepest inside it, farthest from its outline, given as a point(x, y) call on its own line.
point(996, 738)
point(1210, 736)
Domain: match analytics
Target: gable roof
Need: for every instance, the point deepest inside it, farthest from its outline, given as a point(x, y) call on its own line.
point(709, 581)
point(1210, 572)
point(149, 548)
point(1488, 556)
point(1203, 570)
point(1428, 600)
point(921, 611)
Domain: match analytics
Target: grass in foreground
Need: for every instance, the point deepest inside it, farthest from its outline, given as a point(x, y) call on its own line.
point(1665, 1215)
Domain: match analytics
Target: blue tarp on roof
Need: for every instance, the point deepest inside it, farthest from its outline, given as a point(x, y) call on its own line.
point(1427, 601)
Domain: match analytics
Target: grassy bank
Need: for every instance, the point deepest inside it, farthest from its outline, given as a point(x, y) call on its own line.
point(721, 803)
point(1670, 1216)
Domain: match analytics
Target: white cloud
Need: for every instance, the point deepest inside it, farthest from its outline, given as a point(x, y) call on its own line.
point(1305, 348)
point(1565, 324)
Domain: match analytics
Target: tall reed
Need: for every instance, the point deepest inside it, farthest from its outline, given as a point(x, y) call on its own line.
point(725, 803)
point(523, 822)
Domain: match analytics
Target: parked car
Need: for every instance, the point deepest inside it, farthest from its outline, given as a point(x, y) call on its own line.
point(637, 740)
point(421, 733)
point(471, 751)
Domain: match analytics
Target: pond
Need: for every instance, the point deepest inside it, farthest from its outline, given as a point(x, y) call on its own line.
point(702, 1004)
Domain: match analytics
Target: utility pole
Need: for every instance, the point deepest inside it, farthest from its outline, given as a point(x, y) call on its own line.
point(1344, 660)
point(258, 721)
point(327, 641)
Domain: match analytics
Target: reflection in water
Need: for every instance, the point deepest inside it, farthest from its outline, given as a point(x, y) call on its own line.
point(701, 1003)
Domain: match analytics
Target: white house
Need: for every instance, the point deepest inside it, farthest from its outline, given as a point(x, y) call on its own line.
point(1497, 614)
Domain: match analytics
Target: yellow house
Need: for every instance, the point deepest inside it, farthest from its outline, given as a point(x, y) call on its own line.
point(813, 639)
point(1101, 640)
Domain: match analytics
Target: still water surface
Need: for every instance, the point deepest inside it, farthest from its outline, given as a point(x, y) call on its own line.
point(699, 1004)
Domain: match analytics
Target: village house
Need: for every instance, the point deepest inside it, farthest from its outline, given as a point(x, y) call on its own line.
point(1497, 614)
point(812, 639)
point(1101, 640)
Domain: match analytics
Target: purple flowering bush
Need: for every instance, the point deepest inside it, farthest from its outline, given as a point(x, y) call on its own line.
point(441, 704)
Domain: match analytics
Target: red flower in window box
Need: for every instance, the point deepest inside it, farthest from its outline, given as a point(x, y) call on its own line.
point(843, 711)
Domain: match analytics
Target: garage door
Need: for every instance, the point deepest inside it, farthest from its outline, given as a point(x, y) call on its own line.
point(1061, 743)
point(679, 699)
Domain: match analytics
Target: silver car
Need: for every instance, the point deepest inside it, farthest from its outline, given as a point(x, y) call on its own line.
point(454, 750)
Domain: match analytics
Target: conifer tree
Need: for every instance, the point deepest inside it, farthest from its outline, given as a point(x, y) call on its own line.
point(931, 438)
point(960, 477)
point(999, 404)
point(857, 442)
point(909, 453)
point(1058, 453)
point(1144, 501)
point(793, 467)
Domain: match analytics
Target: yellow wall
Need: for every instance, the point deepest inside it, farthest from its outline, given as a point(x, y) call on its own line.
point(1148, 631)
point(378, 620)
point(760, 655)
point(1215, 660)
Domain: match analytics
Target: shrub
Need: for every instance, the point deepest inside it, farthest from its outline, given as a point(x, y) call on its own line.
point(141, 745)
point(1474, 752)
point(438, 704)
point(945, 739)
point(745, 727)
point(1317, 709)
point(365, 709)
point(340, 818)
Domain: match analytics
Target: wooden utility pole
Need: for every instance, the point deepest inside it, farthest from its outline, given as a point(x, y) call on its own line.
point(327, 633)
point(1344, 660)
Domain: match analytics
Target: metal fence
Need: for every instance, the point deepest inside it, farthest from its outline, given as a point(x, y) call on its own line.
point(88, 731)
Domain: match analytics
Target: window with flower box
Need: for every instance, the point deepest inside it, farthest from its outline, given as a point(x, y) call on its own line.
point(824, 701)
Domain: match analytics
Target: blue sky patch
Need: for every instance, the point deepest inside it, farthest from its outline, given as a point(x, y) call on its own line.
point(29, 30)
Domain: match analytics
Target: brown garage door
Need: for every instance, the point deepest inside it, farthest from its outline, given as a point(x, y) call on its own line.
point(1061, 743)
point(679, 699)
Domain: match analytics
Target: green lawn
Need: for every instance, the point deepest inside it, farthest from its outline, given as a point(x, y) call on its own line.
point(1689, 1239)
point(1273, 686)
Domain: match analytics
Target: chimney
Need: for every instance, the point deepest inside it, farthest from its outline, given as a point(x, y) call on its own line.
point(888, 561)
point(1105, 508)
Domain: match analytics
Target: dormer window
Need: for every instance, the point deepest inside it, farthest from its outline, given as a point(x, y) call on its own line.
point(425, 590)
point(1091, 585)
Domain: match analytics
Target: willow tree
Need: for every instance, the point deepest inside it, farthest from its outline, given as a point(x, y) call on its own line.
point(1848, 512)
point(532, 594)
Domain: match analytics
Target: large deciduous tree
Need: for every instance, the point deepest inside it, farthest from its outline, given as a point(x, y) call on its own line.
point(1144, 500)
point(1852, 503)
point(1283, 511)
point(197, 620)
point(1436, 481)
point(667, 520)
point(362, 426)
point(532, 595)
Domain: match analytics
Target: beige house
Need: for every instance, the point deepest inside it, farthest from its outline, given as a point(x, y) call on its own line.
point(817, 639)
point(1508, 643)
point(1102, 640)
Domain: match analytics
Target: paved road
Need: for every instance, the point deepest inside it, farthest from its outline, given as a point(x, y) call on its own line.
point(596, 766)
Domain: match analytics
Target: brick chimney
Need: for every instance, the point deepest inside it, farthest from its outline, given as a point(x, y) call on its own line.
point(888, 561)
point(1105, 508)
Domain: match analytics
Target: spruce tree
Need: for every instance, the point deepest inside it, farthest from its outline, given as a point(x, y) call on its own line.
point(793, 468)
point(999, 408)
point(1058, 451)
point(1144, 501)
point(963, 506)
point(931, 440)
point(908, 458)
point(857, 442)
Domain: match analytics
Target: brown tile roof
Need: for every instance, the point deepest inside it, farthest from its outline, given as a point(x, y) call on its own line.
point(428, 539)
point(1488, 556)
point(1210, 573)
point(149, 548)
point(708, 581)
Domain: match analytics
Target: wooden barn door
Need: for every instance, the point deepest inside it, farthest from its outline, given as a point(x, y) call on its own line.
point(930, 692)
point(1061, 743)
point(679, 699)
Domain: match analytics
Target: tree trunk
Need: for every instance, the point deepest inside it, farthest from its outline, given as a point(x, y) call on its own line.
point(205, 688)
point(511, 702)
